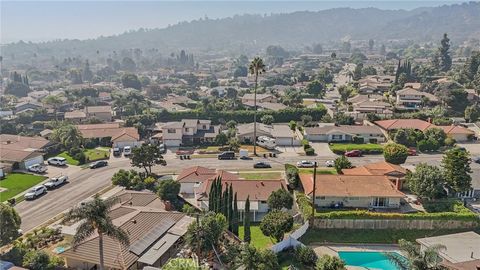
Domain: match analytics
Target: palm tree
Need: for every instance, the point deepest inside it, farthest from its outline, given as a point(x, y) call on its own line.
point(94, 219)
point(69, 136)
point(417, 259)
point(256, 67)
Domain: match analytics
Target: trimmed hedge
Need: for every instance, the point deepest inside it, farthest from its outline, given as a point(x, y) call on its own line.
point(364, 214)
point(304, 205)
point(367, 148)
point(243, 116)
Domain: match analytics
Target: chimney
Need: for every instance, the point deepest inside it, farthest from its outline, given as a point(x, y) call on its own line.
point(168, 205)
point(9, 142)
point(134, 221)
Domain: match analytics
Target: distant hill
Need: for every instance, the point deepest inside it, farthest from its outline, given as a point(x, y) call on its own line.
point(247, 32)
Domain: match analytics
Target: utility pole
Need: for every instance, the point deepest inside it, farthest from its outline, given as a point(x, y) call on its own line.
point(314, 187)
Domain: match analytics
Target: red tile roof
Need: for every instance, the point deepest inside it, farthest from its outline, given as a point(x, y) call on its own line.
point(201, 174)
point(378, 168)
point(256, 190)
point(393, 124)
point(456, 130)
point(350, 186)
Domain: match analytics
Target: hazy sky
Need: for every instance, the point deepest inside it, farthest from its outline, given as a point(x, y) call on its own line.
point(41, 20)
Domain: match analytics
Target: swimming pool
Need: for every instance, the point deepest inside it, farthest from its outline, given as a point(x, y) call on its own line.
point(372, 260)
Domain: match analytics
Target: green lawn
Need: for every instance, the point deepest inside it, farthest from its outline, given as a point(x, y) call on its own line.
point(261, 175)
point(69, 159)
point(365, 147)
point(257, 238)
point(316, 236)
point(91, 154)
point(96, 154)
point(15, 183)
point(319, 170)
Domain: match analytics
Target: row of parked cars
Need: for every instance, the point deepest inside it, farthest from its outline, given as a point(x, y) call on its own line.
point(38, 191)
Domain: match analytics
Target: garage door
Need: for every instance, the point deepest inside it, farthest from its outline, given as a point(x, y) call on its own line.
point(30, 162)
point(174, 143)
point(283, 141)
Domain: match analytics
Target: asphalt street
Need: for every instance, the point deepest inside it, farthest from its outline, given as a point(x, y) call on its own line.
point(86, 182)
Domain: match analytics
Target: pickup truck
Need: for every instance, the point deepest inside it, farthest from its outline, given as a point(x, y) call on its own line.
point(56, 182)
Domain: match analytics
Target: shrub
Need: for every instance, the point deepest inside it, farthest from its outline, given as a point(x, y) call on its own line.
point(310, 151)
point(291, 173)
point(73, 151)
point(358, 140)
point(80, 157)
point(450, 142)
point(90, 143)
point(395, 153)
point(304, 204)
point(306, 256)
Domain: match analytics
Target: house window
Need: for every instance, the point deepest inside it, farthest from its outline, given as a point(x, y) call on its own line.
point(322, 198)
point(263, 201)
point(204, 127)
point(354, 198)
point(186, 129)
point(336, 137)
point(172, 130)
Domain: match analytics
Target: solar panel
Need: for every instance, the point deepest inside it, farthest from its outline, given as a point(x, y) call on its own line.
point(139, 246)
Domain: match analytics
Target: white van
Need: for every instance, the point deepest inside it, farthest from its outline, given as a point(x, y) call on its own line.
point(127, 151)
point(58, 161)
point(243, 154)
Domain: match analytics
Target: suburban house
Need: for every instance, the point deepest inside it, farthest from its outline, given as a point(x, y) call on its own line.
point(103, 113)
point(193, 177)
point(461, 250)
point(273, 106)
point(260, 98)
point(375, 84)
point(395, 173)
point(27, 106)
point(20, 152)
point(352, 191)
point(282, 134)
point(257, 191)
point(76, 116)
point(394, 124)
point(409, 98)
point(111, 134)
point(459, 133)
point(155, 235)
point(344, 133)
point(189, 131)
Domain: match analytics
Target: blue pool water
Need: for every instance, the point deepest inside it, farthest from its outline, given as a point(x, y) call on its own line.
point(372, 260)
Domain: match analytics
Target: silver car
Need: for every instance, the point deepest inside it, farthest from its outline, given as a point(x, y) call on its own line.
point(35, 192)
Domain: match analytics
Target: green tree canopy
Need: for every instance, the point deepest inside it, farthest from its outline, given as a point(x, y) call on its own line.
point(276, 223)
point(146, 156)
point(168, 190)
point(280, 199)
point(9, 224)
point(316, 88)
point(327, 262)
point(456, 165)
point(131, 81)
point(341, 163)
point(426, 181)
point(395, 153)
point(202, 237)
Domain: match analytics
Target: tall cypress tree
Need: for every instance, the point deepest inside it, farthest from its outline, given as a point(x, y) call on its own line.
point(225, 203)
point(246, 222)
point(218, 197)
point(230, 207)
point(211, 196)
point(235, 215)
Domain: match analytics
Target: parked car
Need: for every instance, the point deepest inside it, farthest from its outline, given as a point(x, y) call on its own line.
point(412, 152)
point(305, 164)
point(37, 168)
point(243, 154)
point(117, 152)
point(330, 163)
point(262, 164)
point(353, 153)
point(98, 164)
point(35, 192)
point(476, 159)
point(226, 155)
point(57, 161)
point(56, 182)
point(163, 148)
point(127, 151)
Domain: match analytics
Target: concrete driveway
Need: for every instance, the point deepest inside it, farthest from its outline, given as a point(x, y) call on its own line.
point(290, 151)
point(473, 148)
point(68, 170)
point(322, 149)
